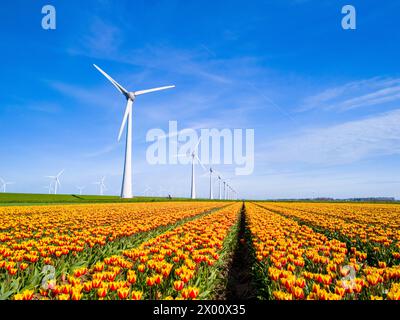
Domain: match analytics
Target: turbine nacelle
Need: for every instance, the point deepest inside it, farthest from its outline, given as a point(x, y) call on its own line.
point(131, 95)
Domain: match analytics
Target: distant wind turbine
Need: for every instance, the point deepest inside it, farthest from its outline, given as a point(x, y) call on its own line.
point(211, 184)
point(145, 192)
point(48, 188)
point(224, 190)
point(126, 190)
point(101, 184)
point(219, 182)
point(4, 184)
point(193, 155)
point(56, 180)
point(80, 189)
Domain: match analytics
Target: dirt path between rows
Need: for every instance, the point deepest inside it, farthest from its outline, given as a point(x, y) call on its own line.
point(240, 284)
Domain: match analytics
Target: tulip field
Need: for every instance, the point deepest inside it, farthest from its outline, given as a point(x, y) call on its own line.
point(184, 250)
point(90, 252)
point(327, 251)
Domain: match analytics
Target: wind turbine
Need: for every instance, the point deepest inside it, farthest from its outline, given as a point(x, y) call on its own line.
point(48, 188)
point(219, 182)
point(56, 180)
point(4, 184)
point(126, 190)
point(193, 155)
point(146, 190)
point(101, 185)
point(211, 184)
point(80, 189)
point(224, 190)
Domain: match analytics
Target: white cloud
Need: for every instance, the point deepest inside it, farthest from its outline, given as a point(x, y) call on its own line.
point(355, 94)
point(339, 144)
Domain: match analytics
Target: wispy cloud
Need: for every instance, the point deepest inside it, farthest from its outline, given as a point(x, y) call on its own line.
point(340, 144)
point(102, 151)
point(36, 106)
point(102, 39)
point(355, 94)
point(88, 96)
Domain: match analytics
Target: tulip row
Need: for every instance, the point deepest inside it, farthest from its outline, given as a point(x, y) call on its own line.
point(31, 237)
point(367, 227)
point(296, 262)
point(172, 265)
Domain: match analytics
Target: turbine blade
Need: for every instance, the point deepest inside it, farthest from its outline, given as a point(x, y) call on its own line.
point(60, 173)
point(138, 93)
point(126, 114)
point(202, 165)
point(115, 83)
point(197, 144)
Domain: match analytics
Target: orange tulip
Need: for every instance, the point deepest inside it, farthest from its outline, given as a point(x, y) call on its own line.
point(185, 293)
point(298, 293)
point(393, 295)
point(141, 268)
point(131, 276)
point(178, 285)
point(102, 292)
point(80, 272)
point(193, 292)
point(98, 267)
point(150, 281)
point(96, 283)
point(123, 293)
point(185, 277)
point(373, 279)
point(87, 286)
point(27, 294)
point(113, 286)
point(340, 291)
point(23, 266)
point(12, 271)
point(280, 295)
point(76, 294)
point(137, 295)
point(301, 282)
point(158, 279)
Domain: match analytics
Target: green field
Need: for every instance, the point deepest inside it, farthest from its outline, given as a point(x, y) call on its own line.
point(32, 198)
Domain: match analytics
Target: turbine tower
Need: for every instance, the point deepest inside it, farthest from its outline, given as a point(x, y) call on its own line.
point(4, 184)
point(193, 181)
point(56, 180)
point(80, 189)
point(126, 189)
point(193, 155)
point(101, 185)
point(48, 188)
point(224, 190)
point(211, 186)
point(219, 182)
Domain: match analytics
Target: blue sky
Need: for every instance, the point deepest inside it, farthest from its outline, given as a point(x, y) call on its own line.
point(323, 101)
